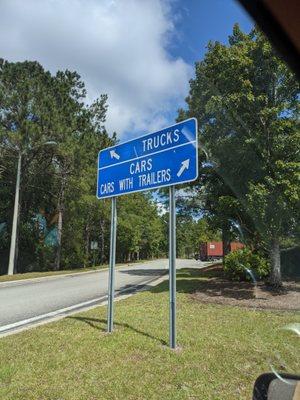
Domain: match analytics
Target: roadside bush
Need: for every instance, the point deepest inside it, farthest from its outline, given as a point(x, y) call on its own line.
point(239, 262)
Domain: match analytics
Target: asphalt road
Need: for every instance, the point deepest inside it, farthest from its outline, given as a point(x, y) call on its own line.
point(28, 302)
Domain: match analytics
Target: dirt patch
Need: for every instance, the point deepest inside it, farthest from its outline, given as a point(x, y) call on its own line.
point(218, 289)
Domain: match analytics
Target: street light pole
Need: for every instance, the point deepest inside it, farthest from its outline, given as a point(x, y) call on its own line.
point(13, 241)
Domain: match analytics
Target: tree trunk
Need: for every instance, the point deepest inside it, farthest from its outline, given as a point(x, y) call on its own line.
point(275, 277)
point(60, 223)
point(225, 241)
point(59, 235)
point(102, 243)
point(87, 244)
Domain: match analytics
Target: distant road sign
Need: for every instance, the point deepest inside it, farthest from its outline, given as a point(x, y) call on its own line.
point(163, 158)
point(94, 245)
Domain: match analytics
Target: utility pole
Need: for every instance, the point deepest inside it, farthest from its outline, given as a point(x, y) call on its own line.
point(13, 242)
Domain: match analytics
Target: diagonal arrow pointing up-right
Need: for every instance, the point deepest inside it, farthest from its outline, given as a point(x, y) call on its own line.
point(184, 165)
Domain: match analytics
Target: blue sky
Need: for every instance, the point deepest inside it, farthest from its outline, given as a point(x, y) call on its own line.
point(199, 21)
point(140, 52)
point(204, 20)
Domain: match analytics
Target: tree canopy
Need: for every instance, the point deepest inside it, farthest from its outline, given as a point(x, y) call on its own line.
point(45, 120)
point(247, 105)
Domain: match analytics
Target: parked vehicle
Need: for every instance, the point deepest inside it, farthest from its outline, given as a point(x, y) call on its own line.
point(210, 251)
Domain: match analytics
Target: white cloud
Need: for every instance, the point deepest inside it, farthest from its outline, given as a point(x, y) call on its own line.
point(118, 47)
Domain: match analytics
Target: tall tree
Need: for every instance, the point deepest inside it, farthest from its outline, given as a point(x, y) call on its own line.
point(24, 98)
point(140, 229)
point(247, 105)
point(44, 120)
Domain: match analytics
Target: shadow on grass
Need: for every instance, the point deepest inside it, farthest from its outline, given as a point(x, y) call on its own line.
point(210, 282)
point(143, 272)
point(133, 288)
point(213, 283)
point(96, 324)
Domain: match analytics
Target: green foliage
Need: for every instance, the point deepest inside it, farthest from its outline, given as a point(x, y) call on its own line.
point(58, 180)
point(190, 233)
point(240, 264)
point(140, 230)
point(247, 105)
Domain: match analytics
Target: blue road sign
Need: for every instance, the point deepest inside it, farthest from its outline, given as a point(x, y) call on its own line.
point(163, 158)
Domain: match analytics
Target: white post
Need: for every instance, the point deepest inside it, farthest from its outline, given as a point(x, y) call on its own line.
point(13, 242)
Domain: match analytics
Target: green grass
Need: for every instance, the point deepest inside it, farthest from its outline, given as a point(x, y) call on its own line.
point(222, 350)
point(31, 275)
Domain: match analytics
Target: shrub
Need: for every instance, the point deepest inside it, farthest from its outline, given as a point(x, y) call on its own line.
point(239, 263)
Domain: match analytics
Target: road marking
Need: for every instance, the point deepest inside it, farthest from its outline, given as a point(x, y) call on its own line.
point(49, 315)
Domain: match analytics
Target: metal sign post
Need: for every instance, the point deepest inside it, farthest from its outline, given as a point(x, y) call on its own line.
point(172, 266)
point(112, 262)
point(94, 247)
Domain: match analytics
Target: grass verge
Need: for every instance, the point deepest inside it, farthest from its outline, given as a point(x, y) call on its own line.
point(31, 275)
point(222, 350)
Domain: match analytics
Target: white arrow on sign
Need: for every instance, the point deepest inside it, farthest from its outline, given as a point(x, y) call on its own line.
point(184, 165)
point(113, 154)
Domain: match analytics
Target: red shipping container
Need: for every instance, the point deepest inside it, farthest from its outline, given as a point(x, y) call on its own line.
point(214, 250)
point(211, 250)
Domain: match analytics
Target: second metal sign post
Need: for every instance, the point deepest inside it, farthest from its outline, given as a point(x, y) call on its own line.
point(112, 264)
point(172, 266)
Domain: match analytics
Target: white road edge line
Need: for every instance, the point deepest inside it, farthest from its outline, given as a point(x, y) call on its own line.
point(49, 315)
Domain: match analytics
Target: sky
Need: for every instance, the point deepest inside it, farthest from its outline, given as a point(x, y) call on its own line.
point(140, 52)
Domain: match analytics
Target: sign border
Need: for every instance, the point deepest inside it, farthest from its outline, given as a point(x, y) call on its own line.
point(156, 187)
